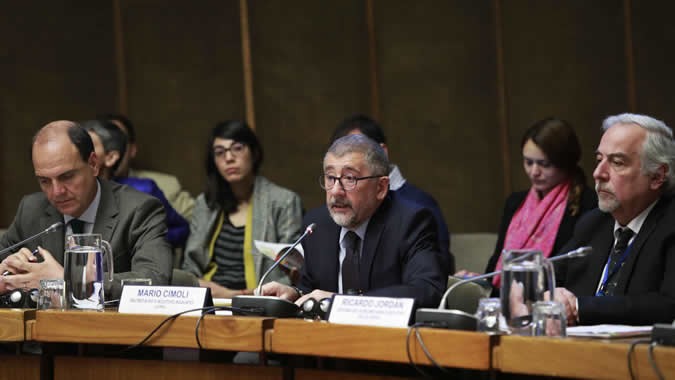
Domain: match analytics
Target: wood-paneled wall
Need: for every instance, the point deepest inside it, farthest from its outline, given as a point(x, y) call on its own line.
point(455, 82)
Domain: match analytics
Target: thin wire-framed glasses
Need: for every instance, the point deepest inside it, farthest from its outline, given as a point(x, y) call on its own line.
point(236, 149)
point(348, 182)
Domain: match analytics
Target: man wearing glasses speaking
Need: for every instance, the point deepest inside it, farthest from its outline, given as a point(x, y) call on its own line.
point(367, 240)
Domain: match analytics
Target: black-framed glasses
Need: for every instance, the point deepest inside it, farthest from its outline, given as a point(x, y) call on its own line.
point(348, 182)
point(236, 149)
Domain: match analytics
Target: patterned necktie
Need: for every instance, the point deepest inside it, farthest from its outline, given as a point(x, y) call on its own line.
point(625, 234)
point(77, 226)
point(350, 264)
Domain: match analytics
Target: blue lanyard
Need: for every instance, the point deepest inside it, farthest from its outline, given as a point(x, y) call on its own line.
point(616, 268)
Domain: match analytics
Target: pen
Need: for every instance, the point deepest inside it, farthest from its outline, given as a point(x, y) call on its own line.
point(5, 273)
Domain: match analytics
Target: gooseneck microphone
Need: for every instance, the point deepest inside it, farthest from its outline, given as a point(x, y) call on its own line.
point(457, 319)
point(11, 248)
point(308, 231)
point(270, 306)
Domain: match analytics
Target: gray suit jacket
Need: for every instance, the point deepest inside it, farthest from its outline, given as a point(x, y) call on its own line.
point(277, 217)
point(133, 222)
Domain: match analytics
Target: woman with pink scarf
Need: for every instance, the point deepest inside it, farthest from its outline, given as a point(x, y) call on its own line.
point(544, 216)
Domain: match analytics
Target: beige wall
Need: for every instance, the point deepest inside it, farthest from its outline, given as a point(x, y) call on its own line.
point(455, 82)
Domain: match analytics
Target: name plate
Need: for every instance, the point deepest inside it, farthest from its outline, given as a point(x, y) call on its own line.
point(371, 311)
point(168, 300)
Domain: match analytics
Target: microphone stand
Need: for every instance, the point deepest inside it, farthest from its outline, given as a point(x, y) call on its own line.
point(269, 306)
point(460, 320)
point(12, 247)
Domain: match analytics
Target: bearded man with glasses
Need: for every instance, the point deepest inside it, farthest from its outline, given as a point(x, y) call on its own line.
point(368, 240)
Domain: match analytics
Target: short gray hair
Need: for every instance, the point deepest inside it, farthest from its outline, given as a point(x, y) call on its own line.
point(658, 148)
point(374, 155)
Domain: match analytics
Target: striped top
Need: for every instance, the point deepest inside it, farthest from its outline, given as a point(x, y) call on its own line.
point(228, 255)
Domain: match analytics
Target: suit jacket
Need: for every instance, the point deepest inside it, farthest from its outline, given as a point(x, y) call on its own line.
point(399, 256)
point(645, 292)
point(178, 226)
point(589, 201)
point(277, 217)
point(417, 195)
point(132, 222)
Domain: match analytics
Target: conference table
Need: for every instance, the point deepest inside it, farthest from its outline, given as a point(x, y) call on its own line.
point(282, 340)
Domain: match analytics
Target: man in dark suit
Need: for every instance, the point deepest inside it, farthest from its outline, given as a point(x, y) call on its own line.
point(66, 167)
point(630, 276)
point(362, 124)
point(367, 241)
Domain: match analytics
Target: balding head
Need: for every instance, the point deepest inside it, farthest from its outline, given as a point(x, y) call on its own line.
point(65, 166)
point(77, 135)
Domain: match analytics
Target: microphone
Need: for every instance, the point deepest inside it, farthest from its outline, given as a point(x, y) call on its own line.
point(460, 320)
point(308, 231)
point(11, 248)
point(270, 306)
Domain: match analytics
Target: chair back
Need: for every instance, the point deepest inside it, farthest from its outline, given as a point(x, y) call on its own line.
point(473, 250)
point(466, 296)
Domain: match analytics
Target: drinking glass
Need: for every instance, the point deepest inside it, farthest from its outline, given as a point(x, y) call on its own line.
point(488, 314)
point(136, 281)
point(550, 319)
point(51, 294)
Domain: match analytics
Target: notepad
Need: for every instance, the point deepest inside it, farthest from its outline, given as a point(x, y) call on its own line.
point(609, 331)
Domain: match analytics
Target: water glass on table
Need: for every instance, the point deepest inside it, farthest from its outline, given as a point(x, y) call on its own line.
point(488, 314)
point(52, 294)
point(550, 319)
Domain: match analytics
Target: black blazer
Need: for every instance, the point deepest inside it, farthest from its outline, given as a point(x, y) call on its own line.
point(399, 257)
point(645, 292)
point(589, 201)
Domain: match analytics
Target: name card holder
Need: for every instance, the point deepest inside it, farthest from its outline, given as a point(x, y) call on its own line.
point(371, 311)
point(165, 300)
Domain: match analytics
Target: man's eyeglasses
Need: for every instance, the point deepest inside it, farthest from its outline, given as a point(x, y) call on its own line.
point(348, 182)
point(236, 149)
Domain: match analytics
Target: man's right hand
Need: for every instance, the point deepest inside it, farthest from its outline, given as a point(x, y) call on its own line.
point(279, 290)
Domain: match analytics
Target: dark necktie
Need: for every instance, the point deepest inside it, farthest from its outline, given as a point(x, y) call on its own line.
point(615, 262)
point(350, 264)
point(77, 226)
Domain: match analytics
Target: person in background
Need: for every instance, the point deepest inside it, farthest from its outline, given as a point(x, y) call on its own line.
point(544, 216)
point(180, 199)
point(110, 146)
point(362, 124)
point(238, 207)
point(66, 167)
point(630, 276)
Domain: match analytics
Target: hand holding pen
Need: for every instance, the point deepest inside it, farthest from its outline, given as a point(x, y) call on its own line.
point(35, 257)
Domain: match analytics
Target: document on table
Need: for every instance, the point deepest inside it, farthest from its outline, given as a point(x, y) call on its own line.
point(272, 249)
point(609, 331)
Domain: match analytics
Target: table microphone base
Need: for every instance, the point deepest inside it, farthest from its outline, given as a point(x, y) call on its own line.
point(265, 306)
point(449, 319)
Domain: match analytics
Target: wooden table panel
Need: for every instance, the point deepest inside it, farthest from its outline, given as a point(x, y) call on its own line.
point(313, 374)
point(20, 367)
point(579, 358)
point(216, 332)
point(449, 348)
point(122, 369)
point(12, 324)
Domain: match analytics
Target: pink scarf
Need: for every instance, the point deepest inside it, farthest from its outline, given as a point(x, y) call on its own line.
point(535, 224)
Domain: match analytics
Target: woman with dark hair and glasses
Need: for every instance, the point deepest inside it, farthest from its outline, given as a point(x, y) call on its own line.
point(238, 207)
point(544, 216)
